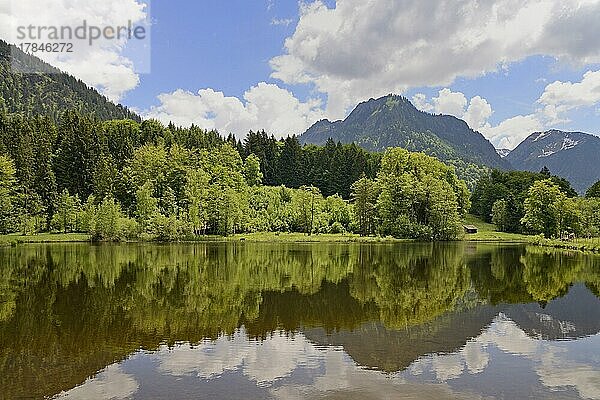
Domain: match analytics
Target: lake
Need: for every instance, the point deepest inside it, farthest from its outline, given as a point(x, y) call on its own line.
point(298, 321)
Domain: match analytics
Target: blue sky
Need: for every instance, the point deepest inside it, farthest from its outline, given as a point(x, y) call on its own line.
point(217, 44)
point(507, 67)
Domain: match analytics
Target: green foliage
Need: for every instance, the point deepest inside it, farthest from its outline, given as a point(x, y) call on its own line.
point(500, 215)
point(594, 191)
point(364, 197)
point(512, 187)
point(109, 221)
point(307, 204)
point(549, 211)
point(420, 197)
point(252, 172)
point(7, 195)
point(65, 218)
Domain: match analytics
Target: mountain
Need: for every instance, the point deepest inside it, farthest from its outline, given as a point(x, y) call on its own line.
point(392, 121)
point(571, 155)
point(503, 152)
point(49, 93)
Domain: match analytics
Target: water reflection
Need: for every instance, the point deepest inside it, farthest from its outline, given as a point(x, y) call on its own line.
point(298, 321)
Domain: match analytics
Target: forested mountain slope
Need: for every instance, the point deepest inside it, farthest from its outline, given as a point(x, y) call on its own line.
point(393, 121)
point(49, 94)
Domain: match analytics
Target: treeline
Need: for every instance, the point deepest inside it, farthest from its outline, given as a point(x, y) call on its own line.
point(124, 180)
point(536, 203)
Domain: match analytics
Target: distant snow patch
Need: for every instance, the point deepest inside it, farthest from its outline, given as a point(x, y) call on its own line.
point(542, 135)
point(569, 143)
point(546, 153)
point(503, 152)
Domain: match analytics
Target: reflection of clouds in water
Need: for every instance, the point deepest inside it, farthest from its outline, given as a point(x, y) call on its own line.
point(476, 357)
point(342, 379)
point(270, 361)
point(111, 383)
point(261, 361)
point(278, 357)
point(556, 371)
point(448, 367)
point(206, 360)
point(552, 361)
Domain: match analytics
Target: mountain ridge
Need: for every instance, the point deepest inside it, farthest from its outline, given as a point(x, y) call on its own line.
point(571, 155)
point(392, 121)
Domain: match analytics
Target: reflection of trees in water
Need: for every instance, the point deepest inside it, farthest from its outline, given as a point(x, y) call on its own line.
point(410, 284)
point(69, 310)
point(549, 273)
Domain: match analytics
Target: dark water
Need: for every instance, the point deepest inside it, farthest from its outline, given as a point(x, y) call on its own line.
point(254, 321)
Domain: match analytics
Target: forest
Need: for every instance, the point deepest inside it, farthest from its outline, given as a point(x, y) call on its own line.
point(120, 179)
point(536, 203)
point(126, 180)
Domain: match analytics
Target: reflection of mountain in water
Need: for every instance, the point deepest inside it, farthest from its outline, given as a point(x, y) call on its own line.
point(372, 345)
point(575, 315)
point(67, 311)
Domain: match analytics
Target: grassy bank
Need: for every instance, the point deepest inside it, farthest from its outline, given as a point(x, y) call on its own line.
point(12, 239)
point(487, 233)
point(592, 245)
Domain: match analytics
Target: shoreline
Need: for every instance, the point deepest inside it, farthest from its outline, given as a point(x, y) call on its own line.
point(259, 237)
point(584, 245)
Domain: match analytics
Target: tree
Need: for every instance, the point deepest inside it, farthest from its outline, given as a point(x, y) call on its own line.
point(500, 215)
point(593, 191)
point(252, 172)
point(7, 182)
point(420, 197)
point(513, 187)
point(65, 218)
point(108, 221)
point(196, 192)
point(364, 198)
point(549, 211)
point(307, 202)
point(146, 205)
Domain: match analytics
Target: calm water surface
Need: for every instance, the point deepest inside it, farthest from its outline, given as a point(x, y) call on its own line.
point(279, 321)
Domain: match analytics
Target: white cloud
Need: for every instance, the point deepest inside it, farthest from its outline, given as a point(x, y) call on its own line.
point(478, 113)
point(449, 102)
point(510, 132)
point(266, 106)
point(281, 21)
point(475, 111)
point(561, 97)
point(102, 65)
point(362, 49)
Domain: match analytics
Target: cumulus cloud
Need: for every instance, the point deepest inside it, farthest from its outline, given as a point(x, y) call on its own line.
point(475, 111)
point(265, 106)
point(103, 64)
point(361, 49)
point(557, 100)
point(561, 97)
point(510, 132)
